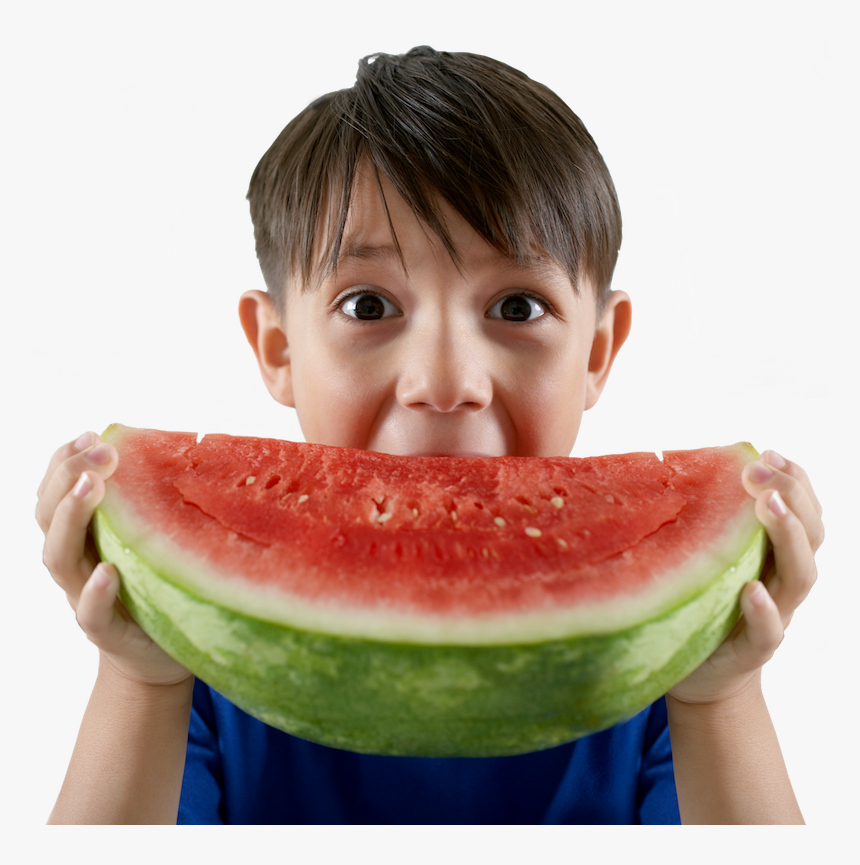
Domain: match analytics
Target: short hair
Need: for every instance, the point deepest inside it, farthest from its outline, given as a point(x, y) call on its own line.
point(505, 152)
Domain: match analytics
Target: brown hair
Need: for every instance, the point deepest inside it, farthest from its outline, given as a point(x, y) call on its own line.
point(502, 150)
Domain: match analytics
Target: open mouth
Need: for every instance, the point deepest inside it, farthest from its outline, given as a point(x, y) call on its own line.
point(457, 454)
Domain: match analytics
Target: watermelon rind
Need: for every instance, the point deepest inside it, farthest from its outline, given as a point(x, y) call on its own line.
point(448, 698)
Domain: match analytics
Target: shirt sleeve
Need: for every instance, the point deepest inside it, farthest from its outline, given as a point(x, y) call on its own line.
point(658, 798)
point(201, 799)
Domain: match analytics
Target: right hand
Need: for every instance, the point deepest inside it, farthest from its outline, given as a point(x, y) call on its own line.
point(71, 490)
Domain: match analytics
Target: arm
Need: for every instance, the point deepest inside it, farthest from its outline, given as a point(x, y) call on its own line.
point(129, 757)
point(728, 763)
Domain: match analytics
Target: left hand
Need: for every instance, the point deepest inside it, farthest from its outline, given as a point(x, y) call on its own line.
point(791, 514)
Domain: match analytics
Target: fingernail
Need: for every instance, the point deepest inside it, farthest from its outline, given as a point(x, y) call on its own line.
point(775, 460)
point(99, 455)
point(84, 441)
point(100, 576)
point(82, 487)
point(759, 473)
point(777, 505)
point(758, 594)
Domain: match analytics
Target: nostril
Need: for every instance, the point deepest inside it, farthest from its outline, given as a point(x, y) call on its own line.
point(445, 407)
point(445, 390)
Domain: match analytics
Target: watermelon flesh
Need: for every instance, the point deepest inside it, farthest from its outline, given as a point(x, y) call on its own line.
point(429, 606)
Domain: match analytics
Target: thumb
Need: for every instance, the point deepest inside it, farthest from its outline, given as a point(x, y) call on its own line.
point(96, 611)
point(763, 630)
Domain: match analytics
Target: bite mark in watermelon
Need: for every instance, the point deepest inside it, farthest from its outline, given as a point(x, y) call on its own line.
point(429, 606)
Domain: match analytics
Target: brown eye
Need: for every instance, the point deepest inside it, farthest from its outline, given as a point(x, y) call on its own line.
point(368, 307)
point(519, 307)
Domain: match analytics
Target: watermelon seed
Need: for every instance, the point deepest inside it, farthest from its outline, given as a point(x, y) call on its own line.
point(610, 499)
point(303, 498)
point(557, 502)
point(500, 522)
point(562, 543)
point(250, 479)
point(454, 516)
point(533, 532)
point(415, 513)
point(384, 518)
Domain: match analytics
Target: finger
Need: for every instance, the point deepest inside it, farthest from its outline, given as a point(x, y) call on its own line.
point(96, 610)
point(780, 463)
point(69, 449)
point(760, 476)
point(64, 554)
point(794, 563)
point(763, 628)
point(100, 458)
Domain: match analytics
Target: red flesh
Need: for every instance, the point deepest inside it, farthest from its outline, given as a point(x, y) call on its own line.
point(332, 545)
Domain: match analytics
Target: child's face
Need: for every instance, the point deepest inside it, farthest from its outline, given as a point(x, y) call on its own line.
point(493, 360)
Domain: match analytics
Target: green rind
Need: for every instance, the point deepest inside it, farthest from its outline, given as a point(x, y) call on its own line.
point(430, 701)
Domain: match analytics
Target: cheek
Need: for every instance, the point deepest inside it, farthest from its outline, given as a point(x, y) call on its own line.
point(337, 396)
point(556, 378)
point(552, 404)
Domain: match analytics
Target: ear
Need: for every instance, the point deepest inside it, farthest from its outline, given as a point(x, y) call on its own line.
point(611, 333)
point(265, 333)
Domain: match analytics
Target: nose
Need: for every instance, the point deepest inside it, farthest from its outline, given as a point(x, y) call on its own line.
point(445, 370)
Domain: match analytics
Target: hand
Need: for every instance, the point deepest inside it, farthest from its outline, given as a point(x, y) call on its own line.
point(71, 490)
point(786, 505)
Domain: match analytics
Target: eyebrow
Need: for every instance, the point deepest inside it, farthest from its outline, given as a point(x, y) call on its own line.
point(367, 252)
point(384, 253)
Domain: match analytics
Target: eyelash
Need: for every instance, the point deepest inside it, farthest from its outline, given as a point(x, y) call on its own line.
point(548, 307)
point(342, 299)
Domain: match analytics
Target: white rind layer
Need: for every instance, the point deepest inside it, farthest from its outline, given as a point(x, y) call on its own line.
point(736, 556)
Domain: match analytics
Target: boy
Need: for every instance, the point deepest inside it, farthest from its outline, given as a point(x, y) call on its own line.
point(438, 244)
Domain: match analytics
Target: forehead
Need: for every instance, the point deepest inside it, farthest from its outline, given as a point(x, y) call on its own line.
point(382, 229)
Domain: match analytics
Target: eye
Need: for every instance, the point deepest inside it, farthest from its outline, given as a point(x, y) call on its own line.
point(517, 307)
point(366, 306)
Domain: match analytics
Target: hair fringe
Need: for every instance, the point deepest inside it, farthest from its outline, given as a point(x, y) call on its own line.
point(505, 152)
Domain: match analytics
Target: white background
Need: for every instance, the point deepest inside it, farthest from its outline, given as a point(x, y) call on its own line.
point(130, 134)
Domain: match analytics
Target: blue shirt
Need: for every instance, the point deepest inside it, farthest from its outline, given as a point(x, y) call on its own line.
point(239, 770)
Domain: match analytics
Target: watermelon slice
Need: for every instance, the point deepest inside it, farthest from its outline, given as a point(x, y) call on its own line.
point(429, 606)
